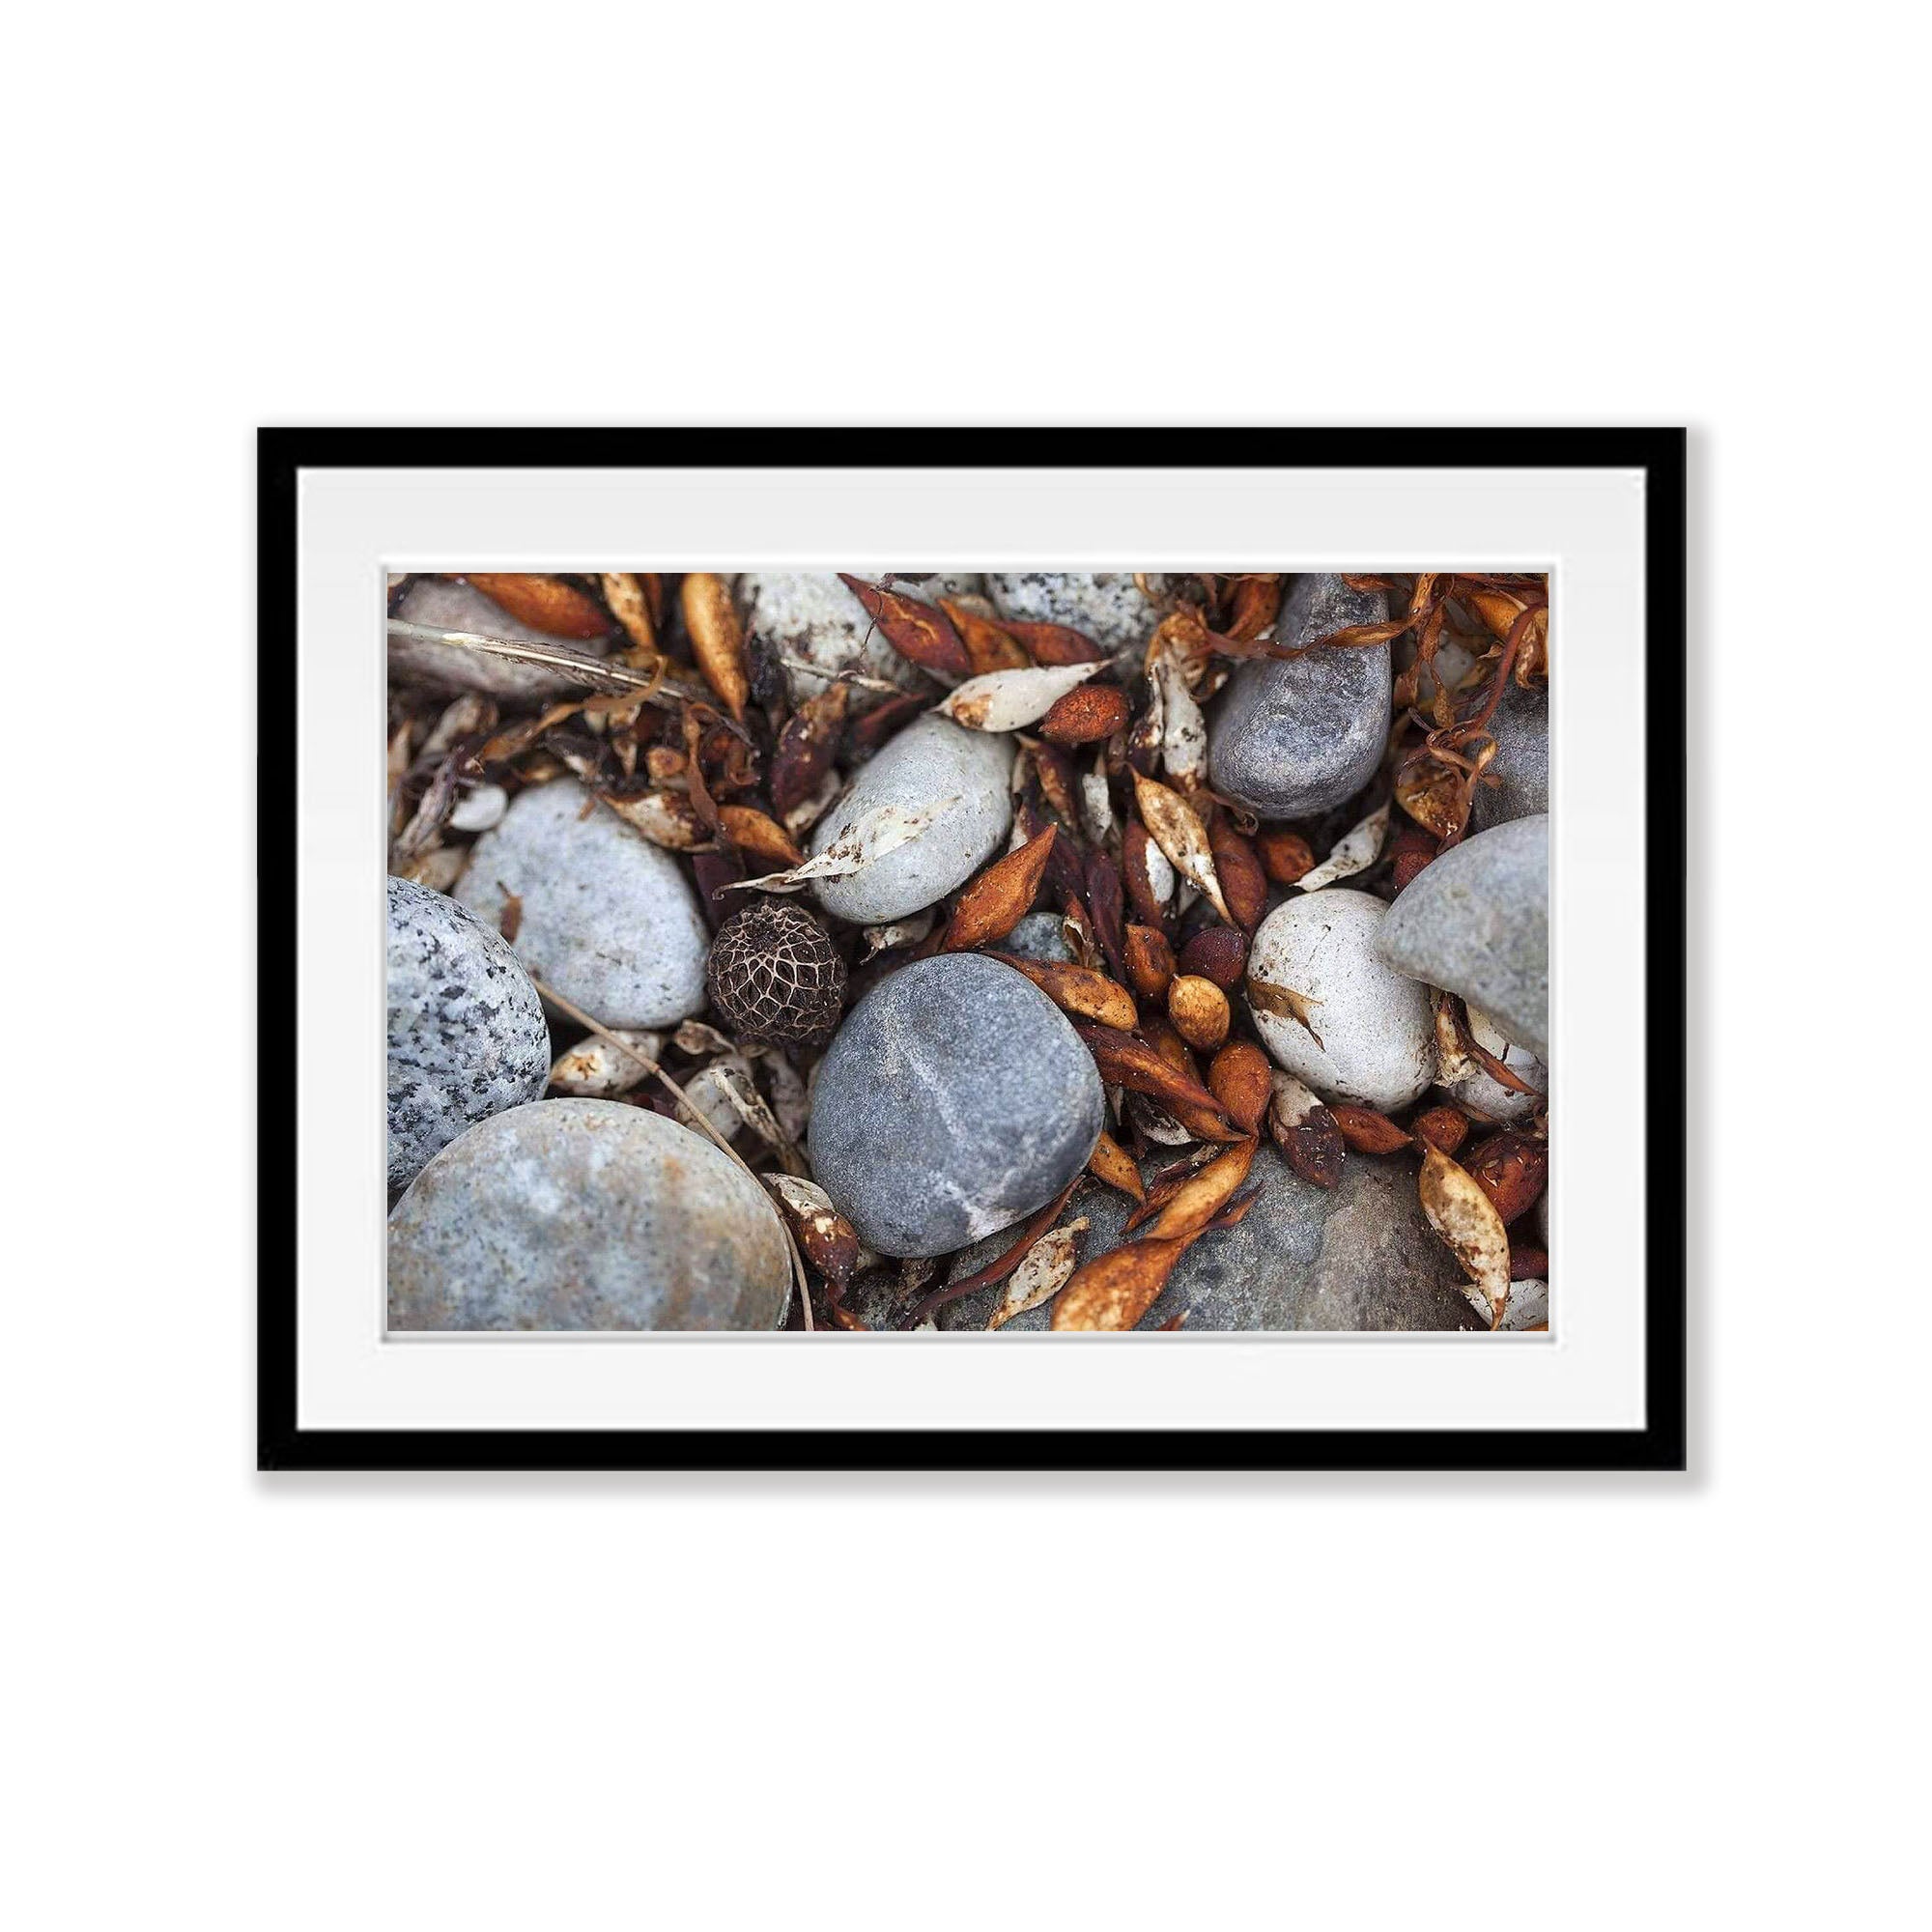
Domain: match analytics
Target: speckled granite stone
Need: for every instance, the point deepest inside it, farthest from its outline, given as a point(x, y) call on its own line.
point(1290, 740)
point(956, 1099)
point(1108, 607)
point(466, 1032)
point(1476, 921)
point(450, 606)
point(586, 1214)
point(811, 616)
point(1360, 1255)
point(607, 918)
point(931, 760)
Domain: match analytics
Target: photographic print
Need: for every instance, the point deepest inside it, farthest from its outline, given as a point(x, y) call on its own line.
point(1015, 952)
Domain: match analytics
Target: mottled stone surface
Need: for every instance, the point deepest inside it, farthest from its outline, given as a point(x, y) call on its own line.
point(1521, 764)
point(586, 1214)
point(450, 606)
point(955, 1100)
point(811, 616)
point(607, 918)
point(1107, 607)
point(931, 760)
point(466, 1032)
point(1042, 936)
point(1476, 922)
point(1369, 1036)
point(1290, 740)
point(1360, 1255)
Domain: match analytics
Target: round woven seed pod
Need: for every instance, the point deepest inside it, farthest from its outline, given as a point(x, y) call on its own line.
point(776, 975)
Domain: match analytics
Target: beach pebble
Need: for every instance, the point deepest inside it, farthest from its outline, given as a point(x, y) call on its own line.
point(586, 1214)
point(1487, 1096)
point(1040, 936)
point(1291, 740)
point(955, 1100)
point(1360, 1255)
point(466, 1032)
point(1108, 609)
point(450, 606)
point(1521, 764)
point(813, 617)
point(1376, 1033)
point(607, 918)
point(480, 809)
point(931, 760)
point(1476, 922)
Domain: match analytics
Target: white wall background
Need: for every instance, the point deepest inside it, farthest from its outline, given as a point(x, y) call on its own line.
point(584, 1703)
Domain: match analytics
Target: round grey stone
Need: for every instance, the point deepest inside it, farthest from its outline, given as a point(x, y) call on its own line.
point(955, 1100)
point(930, 760)
point(586, 1214)
point(1040, 936)
point(813, 617)
point(466, 1032)
point(1521, 764)
point(1291, 740)
point(608, 919)
point(1108, 607)
point(1360, 1255)
point(450, 606)
point(1476, 921)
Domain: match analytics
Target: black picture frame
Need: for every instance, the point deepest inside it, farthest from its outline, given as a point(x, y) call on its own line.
point(1659, 1444)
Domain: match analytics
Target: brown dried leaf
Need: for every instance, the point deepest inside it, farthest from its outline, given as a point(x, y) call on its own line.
point(1202, 1196)
point(1110, 1162)
point(1241, 1078)
point(830, 1242)
point(759, 838)
point(631, 607)
point(1149, 962)
point(1284, 1002)
point(1139, 855)
point(1126, 1062)
point(882, 830)
point(987, 646)
point(1434, 793)
point(545, 604)
point(1045, 1271)
point(1256, 603)
point(1199, 1010)
point(919, 633)
point(666, 818)
point(1000, 897)
point(1115, 1289)
point(510, 920)
point(1368, 1131)
point(1053, 643)
point(1444, 1129)
point(1092, 711)
point(716, 638)
point(1305, 1131)
point(1510, 1168)
point(1237, 865)
point(806, 747)
point(1463, 1217)
point(1008, 701)
point(1285, 856)
point(1176, 829)
point(1075, 989)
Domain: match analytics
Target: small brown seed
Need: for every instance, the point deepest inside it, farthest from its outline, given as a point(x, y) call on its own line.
point(1243, 1079)
point(1444, 1129)
point(1084, 714)
point(1243, 883)
point(1285, 855)
point(1149, 962)
point(1216, 952)
point(1199, 1010)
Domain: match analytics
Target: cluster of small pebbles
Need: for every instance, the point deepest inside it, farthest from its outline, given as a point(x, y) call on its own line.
point(941, 951)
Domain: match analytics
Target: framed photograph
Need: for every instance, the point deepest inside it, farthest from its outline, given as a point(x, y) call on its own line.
point(891, 950)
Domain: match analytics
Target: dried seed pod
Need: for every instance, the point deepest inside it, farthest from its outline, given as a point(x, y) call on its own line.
point(1510, 1169)
point(776, 975)
point(1199, 1010)
point(1217, 952)
point(830, 1242)
point(1085, 715)
point(1368, 1131)
point(757, 837)
point(716, 638)
point(1000, 896)
point(1241, 1078)
point(1110, 1163)
point(1075, 989)
point(1305, 1131)
point(1285, 856)
point(1444, 1129)
point(544, 603)
point(1243, 883)
point(1149, 962)
point(1146, 874)
point(921, 634)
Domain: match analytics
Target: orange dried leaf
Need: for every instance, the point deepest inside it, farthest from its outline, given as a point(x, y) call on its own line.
point(919, 633)
point(1090, 712)
point(987, 646)
point(758, 837)
point(1053, 643)
point(1149, 962)
point(1176, 827)
point(545, 604)
point(1368, 1131)
point(1078, 991)
point(1000, 896)
point(716, 639)
point(1110, 1162)
point(1243, 1079)
point(1204, 1194)
point(1115, 1289)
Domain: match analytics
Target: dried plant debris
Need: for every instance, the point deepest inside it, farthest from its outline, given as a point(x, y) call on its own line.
point(844, 776)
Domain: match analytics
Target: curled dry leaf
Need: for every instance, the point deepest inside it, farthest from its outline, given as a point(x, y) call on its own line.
point(1199, 1010)
point(1368, 1131)
point(1216, 952)
point(1454, 1061)
point(802, 762)
point(630, 605)
point(1305, 1131)
point(1184, 731)
point(1241, 1078)
point(716, 638)
point(1149, 962)
point(1075, 989)
point(1286, 856)
point(1202, 1196)
point(1510, 1168)
point(1284, 1002)
point(1008, 701)
point(830, 1241)
point(1126, 1062)
point(881, 831)
point(988, 648)
point(1053, 644)
point(544, 603)
point(1110, 1162)
point(1082, 717)
point(1444, 1129)
point(1176, 827)
point(1047, 1268)
point(1243, 883)
point(1434, 792)
point(1000, 897)
point(1100, 879)
point(1462, 1215)
point(1355, 852)
point(596, 1069)
point(757, 837)
point(666, 819)
point(1115, 1289)
point(1254, 606)
point(921, 633)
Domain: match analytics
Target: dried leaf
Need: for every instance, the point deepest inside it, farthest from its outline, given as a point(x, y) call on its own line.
point(877, 939)
point(1444, 1129)
point(1453, 1059)
point(802, 762)
point(919, 633)
point(1084, 716)
point(1184, 731)
point(1243, 1079)
point(988, 647)
point(1257, 601)
point(666, 818)
point(1285, 856)
point(1462, 1215)
point(1007, 700)
point(510, 920)
point(1150, 962)
point(625, 594)
point(716, 639)
point(1199, 1010)
point(1202, 1196)
point(1000, 897)
point(1243, 883)
point(1510, 1168)
point(1077, 991)
point(1097, 803)
point(1368, 1131)
point(1115, 1289)
point(1002, 1265)
point(1053, 644)
point(1284, 1002)
point(760, 837)
point(1354, 853)
point(1146, 874)
point(882, 830)
point(830, 1242)
point(1434, 793)
point(545, 604)
point(1101, 880)
point(1305, 1131)
point(1047, 1268)
point(1176, 829)
point(1110, 1162)
point(1126, 1062)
